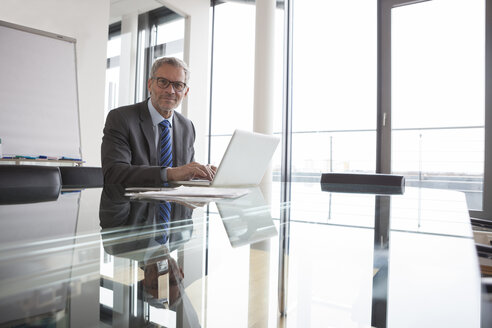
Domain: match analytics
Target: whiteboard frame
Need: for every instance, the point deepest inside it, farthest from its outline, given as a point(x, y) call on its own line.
point(62, 38)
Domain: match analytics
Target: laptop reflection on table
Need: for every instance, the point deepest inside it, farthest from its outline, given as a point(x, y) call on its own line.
point(247, 220)
point(244, 163)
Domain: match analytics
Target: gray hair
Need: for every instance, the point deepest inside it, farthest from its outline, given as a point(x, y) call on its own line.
point(173, 61)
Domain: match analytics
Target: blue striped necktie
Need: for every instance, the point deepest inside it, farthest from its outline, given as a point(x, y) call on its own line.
point(163, 222)
point(166, 160)
point(166, 154)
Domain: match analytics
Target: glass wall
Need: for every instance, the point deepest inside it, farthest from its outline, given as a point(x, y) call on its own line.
point(112, 68)
point(437, 89)
point(438, 95)
point(161, 33)
point(233, 75)
point(334, 87)
point(437, 85)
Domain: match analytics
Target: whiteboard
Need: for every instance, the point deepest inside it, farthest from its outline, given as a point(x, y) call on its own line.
point(39, 112)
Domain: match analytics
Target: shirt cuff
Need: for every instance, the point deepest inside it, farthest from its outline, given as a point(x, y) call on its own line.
point(164, 174)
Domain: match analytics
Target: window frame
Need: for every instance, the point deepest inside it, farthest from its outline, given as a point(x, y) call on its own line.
point(383, 151)
point(147, 24)
point(383, 125)
point(486, 212)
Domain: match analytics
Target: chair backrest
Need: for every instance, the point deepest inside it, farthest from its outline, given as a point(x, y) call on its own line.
point(81, 177)
point(29, 183)
point(363, 183)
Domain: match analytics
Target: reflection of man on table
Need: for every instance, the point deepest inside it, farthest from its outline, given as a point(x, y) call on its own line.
point(134, 230)
point(149, 143)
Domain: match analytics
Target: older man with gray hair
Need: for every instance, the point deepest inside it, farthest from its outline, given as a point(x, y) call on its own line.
point(149, 143)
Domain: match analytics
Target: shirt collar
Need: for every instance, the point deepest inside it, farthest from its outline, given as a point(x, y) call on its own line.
point(156, 116)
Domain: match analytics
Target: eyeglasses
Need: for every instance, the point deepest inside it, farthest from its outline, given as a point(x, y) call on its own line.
point(164, 83)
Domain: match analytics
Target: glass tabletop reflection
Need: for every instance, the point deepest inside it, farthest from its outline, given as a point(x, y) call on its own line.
point(99, 258)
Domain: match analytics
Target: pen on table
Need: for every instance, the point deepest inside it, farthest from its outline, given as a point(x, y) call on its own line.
point(70, 159)
point(24, 157)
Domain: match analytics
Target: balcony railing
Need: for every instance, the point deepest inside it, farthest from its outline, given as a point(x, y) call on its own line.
point(431, 157)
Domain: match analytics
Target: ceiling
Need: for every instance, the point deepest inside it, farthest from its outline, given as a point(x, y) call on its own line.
point(120, 8)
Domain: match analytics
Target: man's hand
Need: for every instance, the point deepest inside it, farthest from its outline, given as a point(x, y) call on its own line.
point(190, 171)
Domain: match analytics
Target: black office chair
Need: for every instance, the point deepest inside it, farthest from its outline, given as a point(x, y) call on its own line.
point(81, 177)
point(20, 184)
point(481, 223)
point(375, 183)
point(482, 232)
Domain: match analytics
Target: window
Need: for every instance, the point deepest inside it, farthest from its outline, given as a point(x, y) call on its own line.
point(233, 75)
point(438, 95)
point(334, 87)
point(434, 114)
point(161, 33)
point(372, 91)
point(113, 68)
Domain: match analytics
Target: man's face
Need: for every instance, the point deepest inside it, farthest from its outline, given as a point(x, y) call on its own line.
point(167, 99)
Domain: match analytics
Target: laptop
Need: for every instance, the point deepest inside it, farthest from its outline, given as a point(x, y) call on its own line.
point(244, 162)
point(247, 220)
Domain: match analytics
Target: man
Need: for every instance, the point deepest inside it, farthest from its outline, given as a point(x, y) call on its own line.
point(149, 143)
point(121, 220)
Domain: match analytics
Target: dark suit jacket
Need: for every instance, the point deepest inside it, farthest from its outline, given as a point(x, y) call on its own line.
point(128, 151)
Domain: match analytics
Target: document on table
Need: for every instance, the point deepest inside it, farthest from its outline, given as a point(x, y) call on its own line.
point(198, 194)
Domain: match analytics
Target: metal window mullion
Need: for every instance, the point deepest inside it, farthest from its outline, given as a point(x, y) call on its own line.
point(487, 185)
point(284, 228)
point(486, 212)
point(383, 135)
point(210, 112)
point(383, 143)
point(286, 168)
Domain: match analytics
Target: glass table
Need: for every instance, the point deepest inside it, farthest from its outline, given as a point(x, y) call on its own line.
point(98, 258)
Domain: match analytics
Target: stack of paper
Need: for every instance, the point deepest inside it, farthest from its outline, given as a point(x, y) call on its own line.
point(189, 195)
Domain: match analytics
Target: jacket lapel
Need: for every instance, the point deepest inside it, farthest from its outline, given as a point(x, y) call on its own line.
point(148, 132)
point(178, 154)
